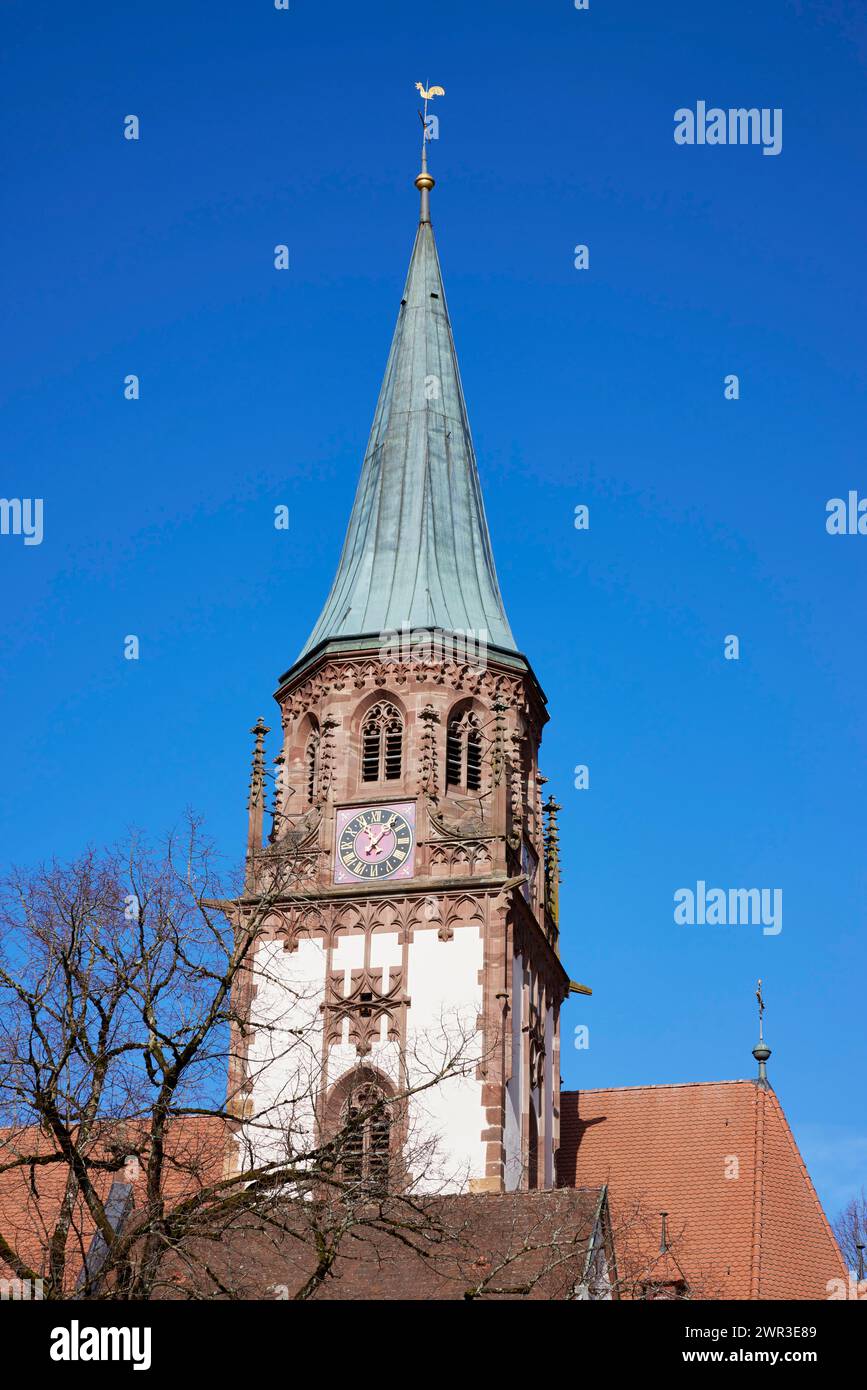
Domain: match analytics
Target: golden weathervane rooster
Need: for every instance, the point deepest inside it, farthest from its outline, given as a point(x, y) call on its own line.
point(431, 91)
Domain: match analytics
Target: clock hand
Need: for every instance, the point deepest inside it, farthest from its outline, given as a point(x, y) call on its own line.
point(384, 831)
point(372, 844)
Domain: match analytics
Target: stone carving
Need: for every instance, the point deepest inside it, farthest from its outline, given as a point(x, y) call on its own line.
point(448, 911)
point(326, 757)
point(460, 820)
point(460, 857)
point(299, 831)
point(516, 789)
point(364, 1005)
point(279, 870)
point(536, 1032)
point(498, 751)
point(428, 780)
point(488, 685)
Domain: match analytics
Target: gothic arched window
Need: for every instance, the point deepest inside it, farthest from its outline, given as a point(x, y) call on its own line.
point(381, 744)
point(311, 766)
point(365, 1125)
point(464, 753)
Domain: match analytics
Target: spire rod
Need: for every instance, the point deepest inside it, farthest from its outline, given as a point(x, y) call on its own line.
point(424, 181)
point(761, 1051)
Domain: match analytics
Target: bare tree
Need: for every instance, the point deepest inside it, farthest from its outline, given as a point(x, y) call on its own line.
point(128, 1168)
point(122, 981)
point(850, 1229)
point(651, 1259)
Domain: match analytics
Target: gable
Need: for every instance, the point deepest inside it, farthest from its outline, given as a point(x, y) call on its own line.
point(743, 1218)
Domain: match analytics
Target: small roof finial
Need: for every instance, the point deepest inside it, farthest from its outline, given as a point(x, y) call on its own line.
point(424, 181)
point(761, 1051)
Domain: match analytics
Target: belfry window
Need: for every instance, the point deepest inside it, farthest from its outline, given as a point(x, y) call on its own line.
point(366, 1136)
point(464, 753)
point(381, 744)
point(311, 766)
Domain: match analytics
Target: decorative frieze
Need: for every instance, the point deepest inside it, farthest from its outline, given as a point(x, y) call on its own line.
point(456, 858)
point(337, 676)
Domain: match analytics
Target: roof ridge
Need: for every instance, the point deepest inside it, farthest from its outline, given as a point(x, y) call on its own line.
point(787, 1130)
point(758, 1194)
point(659, 1086)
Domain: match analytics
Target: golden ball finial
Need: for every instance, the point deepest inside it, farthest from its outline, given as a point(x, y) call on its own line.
point(425, 180)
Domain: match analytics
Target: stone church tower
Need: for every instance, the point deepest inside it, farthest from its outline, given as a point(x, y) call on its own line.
point(412, 871)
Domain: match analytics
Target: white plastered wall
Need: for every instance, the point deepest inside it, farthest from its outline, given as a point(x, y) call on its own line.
point(548, 1097)
point(284, 1055)
point(444, 1122)
point(514, 1161)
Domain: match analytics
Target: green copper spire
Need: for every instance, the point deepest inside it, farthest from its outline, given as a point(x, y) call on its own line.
point(417, 548)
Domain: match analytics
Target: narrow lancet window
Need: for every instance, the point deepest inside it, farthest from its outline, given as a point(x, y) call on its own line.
point(464, 753)
point(381, 744)
point(366, 1140)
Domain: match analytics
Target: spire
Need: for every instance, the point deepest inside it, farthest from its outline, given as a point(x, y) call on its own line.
point(417, 548)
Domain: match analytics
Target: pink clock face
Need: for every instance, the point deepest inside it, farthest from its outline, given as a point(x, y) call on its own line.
point(375, 842)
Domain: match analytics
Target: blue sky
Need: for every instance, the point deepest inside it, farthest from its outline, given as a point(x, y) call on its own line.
point(602, 387)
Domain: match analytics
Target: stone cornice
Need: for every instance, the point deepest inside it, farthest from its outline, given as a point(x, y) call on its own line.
point(352, 650)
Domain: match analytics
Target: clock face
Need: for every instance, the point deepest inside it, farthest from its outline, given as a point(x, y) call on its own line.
point(375, 842)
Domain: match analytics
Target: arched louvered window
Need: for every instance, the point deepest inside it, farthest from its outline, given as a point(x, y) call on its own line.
point(381, 744)
point(464, 753)
point(365, 1139)
point(311, 766)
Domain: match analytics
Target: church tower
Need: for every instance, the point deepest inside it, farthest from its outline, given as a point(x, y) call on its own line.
point(411, 872)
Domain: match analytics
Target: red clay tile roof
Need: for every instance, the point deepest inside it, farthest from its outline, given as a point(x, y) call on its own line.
point(501, 1246)
point(743, 1216)
point(744, 1220)
point(30, 1197)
